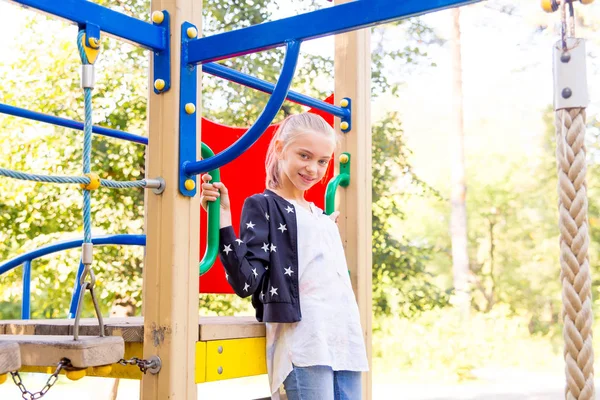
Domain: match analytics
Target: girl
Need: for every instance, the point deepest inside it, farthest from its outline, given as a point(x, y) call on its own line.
point(290, 258)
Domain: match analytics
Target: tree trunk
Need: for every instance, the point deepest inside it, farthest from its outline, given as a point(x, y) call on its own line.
point(458, 218)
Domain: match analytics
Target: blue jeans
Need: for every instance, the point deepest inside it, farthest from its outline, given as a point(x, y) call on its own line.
point(322, 383)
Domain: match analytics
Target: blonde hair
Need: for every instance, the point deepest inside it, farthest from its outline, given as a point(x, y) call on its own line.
point(288, 130)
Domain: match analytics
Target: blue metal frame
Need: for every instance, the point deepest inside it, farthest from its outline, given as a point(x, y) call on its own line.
point(68, 123)
point(187, 122)
point(162, 59)
point(138, 240)
point(243, 79)
point(347, 118)
point(337, 19)
point(191, 168)
point(26, 299)
point(84, 12)
point(27, 258)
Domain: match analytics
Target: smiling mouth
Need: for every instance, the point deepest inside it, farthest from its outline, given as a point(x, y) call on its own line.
point(306, 178)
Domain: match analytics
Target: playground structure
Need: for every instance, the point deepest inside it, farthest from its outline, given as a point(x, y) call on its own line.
point(173, 347)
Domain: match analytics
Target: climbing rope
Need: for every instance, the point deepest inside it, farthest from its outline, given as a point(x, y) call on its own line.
point(570, 102)
point(82, 180)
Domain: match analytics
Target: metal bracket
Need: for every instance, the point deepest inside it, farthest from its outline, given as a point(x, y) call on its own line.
point(570, 75)
point(346, 121)
point(162, 59)
point(187, 114)
point(92, 32)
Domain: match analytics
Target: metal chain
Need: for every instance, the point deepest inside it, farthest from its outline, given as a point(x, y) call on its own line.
point(144, 365)
point(26, 394)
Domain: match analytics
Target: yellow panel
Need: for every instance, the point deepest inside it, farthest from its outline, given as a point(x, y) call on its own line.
point(239, 358)
point(200, 373)
point(236, 358)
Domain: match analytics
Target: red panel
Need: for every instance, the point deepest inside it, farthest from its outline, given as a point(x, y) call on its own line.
point(244, 177)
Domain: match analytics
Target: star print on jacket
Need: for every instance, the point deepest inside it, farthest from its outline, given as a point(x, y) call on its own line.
point(263, 261)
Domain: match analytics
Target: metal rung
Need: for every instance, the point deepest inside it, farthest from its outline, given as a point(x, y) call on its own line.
point(88, 351)
point(10, 357)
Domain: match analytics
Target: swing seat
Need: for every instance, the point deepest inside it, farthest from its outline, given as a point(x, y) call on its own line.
point(10, 357)
point(87, 351)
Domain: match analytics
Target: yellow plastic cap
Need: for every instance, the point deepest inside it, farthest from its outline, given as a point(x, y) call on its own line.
point(344, 103)
point(76, 375)
point(190, 108)
point(103, 370)
point(94, 182)
point(158, 17)
point(344, 125)
point(192, 32)
point(549, 5)
point(586, 1)
point(344, 158)
point(190, 184)
point(2, 378)
point(159, 84)
point(94, 43)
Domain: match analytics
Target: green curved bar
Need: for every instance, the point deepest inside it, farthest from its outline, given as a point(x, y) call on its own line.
point(214, 220)
point(342, 179)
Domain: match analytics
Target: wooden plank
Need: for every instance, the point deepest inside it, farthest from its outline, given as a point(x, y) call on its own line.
point(87, 351)
point(131, 329)
point(170, 290)
point(353, 80)
point(221, 328)
point(10, 357)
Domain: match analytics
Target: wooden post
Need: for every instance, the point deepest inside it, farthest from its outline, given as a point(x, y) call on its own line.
point(170, 297)
point(353, 80)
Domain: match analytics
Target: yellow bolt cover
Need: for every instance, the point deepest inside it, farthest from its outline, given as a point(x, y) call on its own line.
point(103, 370)
point(190, 184)
point(344, 158)
point(2, 378)
point(547, 6)
point(158, 17)
point(94, 43)
point(159, 84)
point(192, 32)
point(94, 182)
point(76, 375)
point(344, 103)
point(91, 52)
point(190, 108)
point(344, 125)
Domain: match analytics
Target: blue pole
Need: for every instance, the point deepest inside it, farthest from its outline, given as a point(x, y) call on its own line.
point(76, 291)
point(67, 123)
point(26, 300)
point(191, 168)
point(239, 77)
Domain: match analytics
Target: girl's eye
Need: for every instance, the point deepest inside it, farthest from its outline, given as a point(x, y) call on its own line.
point(324, 162)
point(303, 156)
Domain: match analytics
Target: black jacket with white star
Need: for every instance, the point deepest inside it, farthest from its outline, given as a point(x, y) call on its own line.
point(263, 262)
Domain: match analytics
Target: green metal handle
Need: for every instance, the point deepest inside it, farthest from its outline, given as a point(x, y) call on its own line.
point(214, 220)
point(343, 179)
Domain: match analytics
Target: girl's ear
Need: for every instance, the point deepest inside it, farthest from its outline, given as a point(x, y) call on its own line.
point(279, 148)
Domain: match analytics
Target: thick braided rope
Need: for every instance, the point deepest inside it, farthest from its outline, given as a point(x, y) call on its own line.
point(575, 267)
point(70, 179)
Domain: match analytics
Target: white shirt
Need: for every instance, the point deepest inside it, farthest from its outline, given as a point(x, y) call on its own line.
point(329, 333)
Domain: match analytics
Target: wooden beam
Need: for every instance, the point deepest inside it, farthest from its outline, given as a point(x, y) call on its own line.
point(170, 297)
point(353, 80)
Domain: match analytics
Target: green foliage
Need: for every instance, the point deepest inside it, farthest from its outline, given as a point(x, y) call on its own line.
point(401, 282)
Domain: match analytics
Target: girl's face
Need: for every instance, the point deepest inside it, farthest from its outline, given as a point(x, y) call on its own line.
point(304, 161)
